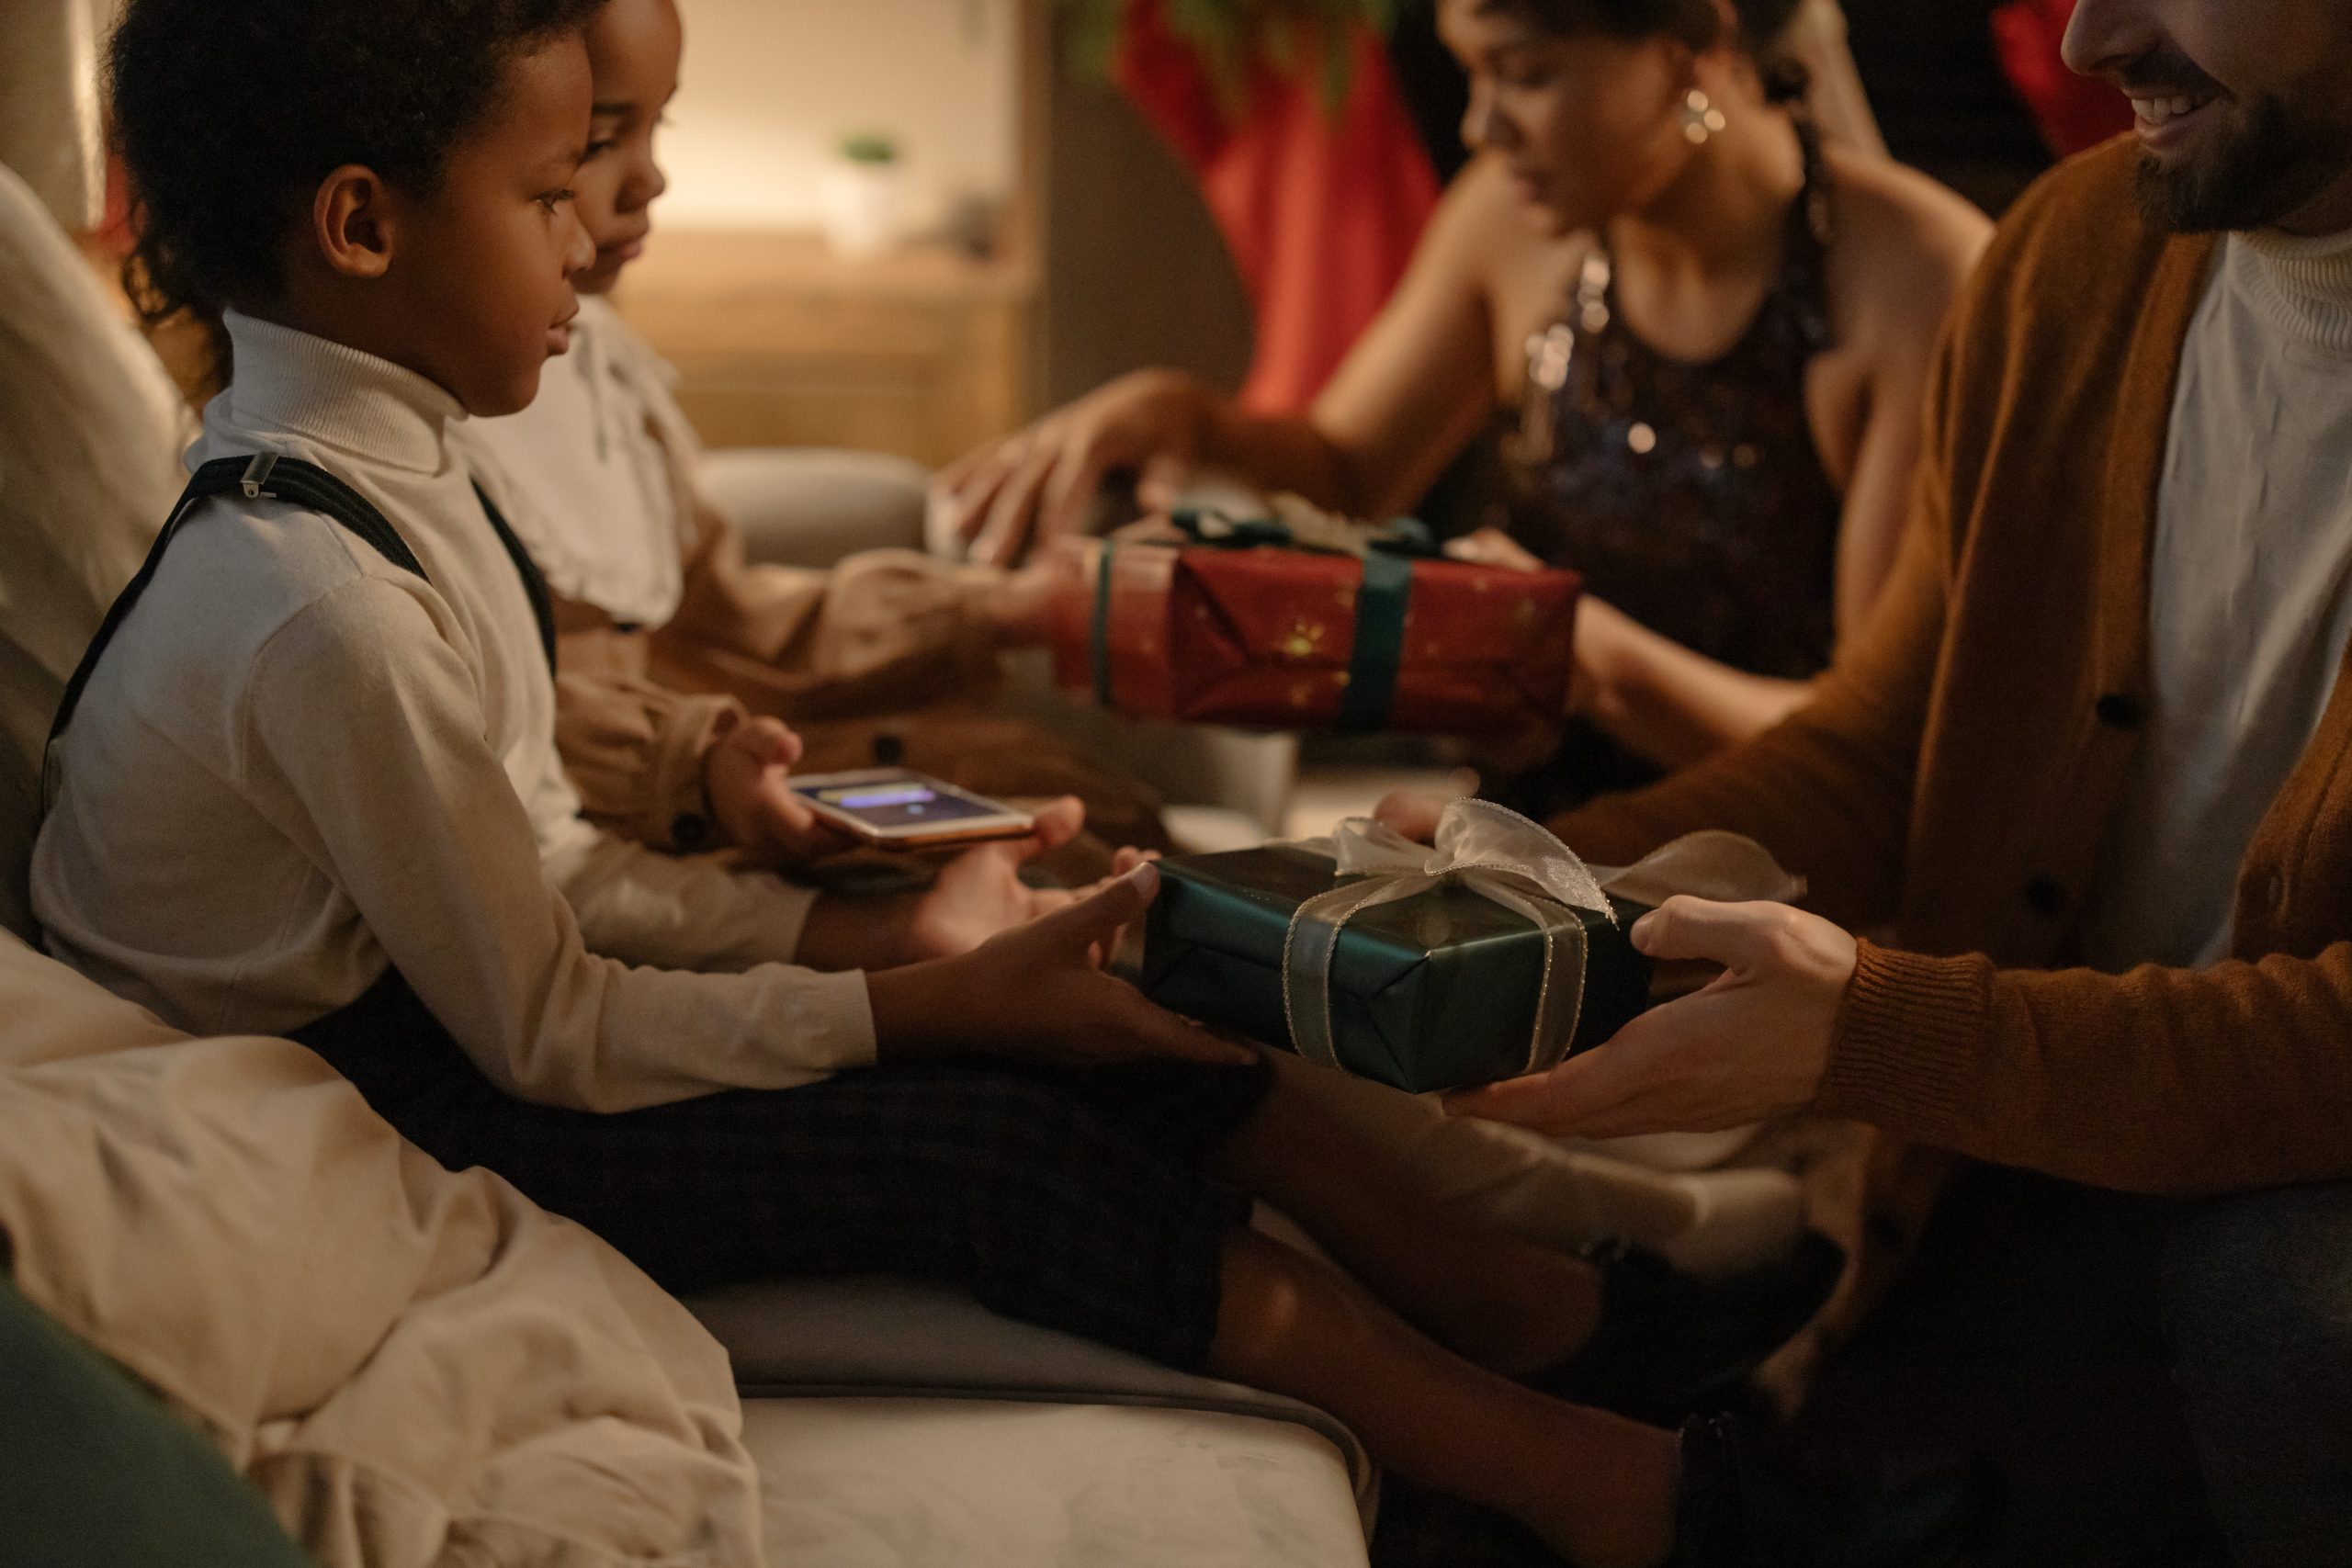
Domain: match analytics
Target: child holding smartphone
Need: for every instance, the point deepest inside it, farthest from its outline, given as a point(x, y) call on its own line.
point(295, 787)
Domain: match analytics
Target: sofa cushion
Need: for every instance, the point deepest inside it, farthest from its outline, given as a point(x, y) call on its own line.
point(912, 1484)
point(91, 431)
point(877, 1337)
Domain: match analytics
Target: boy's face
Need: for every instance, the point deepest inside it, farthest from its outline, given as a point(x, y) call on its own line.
point(633, 52)
point(484, 268)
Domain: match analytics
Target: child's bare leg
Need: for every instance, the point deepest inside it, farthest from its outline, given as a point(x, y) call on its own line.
point(1508, 1305)
point(1599, 1489)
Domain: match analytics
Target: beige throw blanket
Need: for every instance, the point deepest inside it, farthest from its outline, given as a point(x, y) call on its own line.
point(416, 1368)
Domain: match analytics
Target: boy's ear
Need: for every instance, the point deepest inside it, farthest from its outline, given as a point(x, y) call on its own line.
point(352, 221)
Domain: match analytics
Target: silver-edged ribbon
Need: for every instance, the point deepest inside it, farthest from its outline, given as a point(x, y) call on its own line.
point(1510, 860)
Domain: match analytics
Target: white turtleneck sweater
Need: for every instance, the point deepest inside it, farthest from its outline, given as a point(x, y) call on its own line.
point(2250, 591)
point(299, 764)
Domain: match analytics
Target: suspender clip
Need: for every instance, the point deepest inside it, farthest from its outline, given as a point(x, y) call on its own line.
point(257, 475)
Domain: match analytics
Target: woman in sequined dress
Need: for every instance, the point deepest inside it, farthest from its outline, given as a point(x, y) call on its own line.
point(1708, 327)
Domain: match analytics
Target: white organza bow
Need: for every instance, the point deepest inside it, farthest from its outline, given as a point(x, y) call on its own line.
point(1517, 864)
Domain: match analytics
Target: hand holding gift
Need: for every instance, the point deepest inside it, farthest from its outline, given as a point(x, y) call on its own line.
point(1753, 1044)
point(1492, 955)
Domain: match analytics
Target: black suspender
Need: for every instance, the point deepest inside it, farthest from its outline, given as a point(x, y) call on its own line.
point(535, 586)
point(270, 478)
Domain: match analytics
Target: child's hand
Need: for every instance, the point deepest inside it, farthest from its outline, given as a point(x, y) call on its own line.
point(1021, 606)
point(979, 892)
point(746, 777)
point(1037, 993)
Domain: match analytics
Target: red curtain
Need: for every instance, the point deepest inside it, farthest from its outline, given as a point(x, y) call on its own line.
point(2074, 112)
point(1321, 211)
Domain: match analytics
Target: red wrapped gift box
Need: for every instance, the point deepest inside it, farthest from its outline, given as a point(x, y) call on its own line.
point(1284, 638)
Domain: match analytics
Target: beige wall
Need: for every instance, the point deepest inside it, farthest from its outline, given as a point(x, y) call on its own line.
point(48, 103)
point(771, 86)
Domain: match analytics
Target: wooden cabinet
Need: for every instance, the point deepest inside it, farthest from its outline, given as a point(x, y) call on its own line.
point(925, 353)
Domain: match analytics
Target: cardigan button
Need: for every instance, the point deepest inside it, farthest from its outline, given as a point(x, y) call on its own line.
point(2120, 710)
point(2046, 896)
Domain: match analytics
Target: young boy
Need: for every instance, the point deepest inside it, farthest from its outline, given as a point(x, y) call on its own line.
point(292, 797)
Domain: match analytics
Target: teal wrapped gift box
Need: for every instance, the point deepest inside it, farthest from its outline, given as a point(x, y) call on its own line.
point(1435, 991)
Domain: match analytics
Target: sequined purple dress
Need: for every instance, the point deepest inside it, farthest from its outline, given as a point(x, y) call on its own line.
point(1689, 496)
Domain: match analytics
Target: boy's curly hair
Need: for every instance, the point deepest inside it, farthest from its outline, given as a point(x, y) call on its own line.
point(228, 114)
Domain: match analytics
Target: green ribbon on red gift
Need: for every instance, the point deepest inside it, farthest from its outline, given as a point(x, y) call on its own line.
point(1377, 651)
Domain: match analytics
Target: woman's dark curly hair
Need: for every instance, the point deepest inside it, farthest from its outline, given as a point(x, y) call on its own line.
point(228, 114)
point(1695, 22)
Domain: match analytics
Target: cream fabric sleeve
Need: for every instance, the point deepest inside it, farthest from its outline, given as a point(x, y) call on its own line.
point(882, 630)
point(635, 749)
point(437, 849)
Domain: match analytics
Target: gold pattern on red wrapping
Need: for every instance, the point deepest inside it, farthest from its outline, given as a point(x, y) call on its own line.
point(1523, 616)
point(1346, 596)
point(1305, 639)
point(1302, 695)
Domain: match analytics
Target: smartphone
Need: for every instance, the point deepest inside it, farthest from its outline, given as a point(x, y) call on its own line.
point(897, 808)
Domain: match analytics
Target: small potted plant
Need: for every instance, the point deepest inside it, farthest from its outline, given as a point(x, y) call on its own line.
point(863, 197)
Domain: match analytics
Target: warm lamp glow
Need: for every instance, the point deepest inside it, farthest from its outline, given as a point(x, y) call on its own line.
point(771, 86)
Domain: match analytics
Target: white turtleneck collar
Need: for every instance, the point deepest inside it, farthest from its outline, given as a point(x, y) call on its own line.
point(336, 395)
point(2302, 287)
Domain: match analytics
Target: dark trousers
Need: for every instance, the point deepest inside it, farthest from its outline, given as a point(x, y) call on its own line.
point(2259, 1296)
point(1078, 1201)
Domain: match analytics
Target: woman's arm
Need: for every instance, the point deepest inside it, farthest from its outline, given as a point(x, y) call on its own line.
point(1408, 398)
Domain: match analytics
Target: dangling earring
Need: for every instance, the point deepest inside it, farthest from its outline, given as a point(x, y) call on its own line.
point(1701, 119)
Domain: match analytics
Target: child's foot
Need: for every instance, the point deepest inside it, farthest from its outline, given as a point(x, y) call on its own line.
point(1668, 1344)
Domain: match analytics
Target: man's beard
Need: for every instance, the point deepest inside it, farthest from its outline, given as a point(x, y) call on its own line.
point(2278, 161)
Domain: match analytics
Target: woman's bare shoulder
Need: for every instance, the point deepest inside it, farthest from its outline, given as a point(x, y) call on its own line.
point(1483, 234)
point(1904, 244)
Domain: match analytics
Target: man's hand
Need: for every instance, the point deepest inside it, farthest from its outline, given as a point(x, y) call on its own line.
point(1753, 1044)
point(746, 777)
point(1039, 993)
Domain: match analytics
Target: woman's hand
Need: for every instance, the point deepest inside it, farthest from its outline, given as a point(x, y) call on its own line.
point(1753, 1044)
point(1492, 547)
point(746, 778)
point(1039, 993)
point(1038, 483)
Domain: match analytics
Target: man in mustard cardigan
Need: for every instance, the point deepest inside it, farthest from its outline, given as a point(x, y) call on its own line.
point(2088, 774)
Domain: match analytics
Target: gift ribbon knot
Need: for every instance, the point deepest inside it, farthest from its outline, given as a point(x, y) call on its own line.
point(1488, 849)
